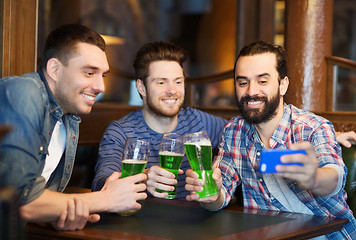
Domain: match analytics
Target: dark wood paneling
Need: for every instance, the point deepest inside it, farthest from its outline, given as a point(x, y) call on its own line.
point(255, 21)
point(94, 124)
point(19, 37)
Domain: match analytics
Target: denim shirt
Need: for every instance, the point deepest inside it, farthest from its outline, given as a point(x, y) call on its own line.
point(29, 107)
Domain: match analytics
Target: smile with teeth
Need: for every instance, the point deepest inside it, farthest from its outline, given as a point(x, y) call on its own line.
point(169, 101)
point(254, 104)
point(89, 97)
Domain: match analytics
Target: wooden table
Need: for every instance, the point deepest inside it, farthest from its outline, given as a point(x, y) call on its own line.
point(174, 219)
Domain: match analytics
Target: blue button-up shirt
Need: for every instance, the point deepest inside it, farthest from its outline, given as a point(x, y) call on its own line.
point(28, 105)
point(239, 157)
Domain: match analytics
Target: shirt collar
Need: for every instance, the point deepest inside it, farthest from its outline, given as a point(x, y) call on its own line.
point(280, 135)
point(54, 105)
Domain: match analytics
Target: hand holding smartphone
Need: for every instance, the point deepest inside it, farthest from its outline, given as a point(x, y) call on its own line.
point(272, 157)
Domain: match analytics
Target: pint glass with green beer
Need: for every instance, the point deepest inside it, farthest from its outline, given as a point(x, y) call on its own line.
point(198, 150)
point(135, 157)
point(134, 160)
point(171, 153)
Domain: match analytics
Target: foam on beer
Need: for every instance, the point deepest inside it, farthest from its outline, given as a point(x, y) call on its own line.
point(202, 142)
point(133, 161)
point(167, 153)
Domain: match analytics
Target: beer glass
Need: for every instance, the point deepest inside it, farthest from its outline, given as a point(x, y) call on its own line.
point(134, 157)
point(198, 150)
point(171, 153)
point(134, 160)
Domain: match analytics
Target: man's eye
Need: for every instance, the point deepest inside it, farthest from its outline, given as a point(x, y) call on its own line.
point(160, 83)
point(242, 83)
point(89, 73)
point(263, 81)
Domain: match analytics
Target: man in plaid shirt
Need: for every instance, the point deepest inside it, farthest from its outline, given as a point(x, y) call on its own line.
point(266, 122)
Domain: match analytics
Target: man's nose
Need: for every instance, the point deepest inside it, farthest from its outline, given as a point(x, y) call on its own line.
point(171, 89)
point(253, 89)
point(99, 85)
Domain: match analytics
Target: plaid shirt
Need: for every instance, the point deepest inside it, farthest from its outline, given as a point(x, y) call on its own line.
point(238, 160)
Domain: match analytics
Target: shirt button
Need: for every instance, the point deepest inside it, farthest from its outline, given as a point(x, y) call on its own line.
point(258, 153)
point(261, 180)
point(41, 148)
point(272, 198)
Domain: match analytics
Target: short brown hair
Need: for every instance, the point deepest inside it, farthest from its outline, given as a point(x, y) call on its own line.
point(157, 51)
point(61, 42)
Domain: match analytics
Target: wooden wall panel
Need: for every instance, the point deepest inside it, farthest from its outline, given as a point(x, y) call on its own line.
point(254, 21)
point(19, 36)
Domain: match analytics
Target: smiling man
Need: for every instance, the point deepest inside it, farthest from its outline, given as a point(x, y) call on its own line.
point(160, 82)
point(38, 154)
point(266, 122)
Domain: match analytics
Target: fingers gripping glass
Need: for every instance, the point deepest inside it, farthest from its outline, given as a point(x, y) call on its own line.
point(198, 149)
point(171, 153)
point(134, 160)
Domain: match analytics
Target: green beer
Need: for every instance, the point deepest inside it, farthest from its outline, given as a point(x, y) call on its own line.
point(135, 156)
point(171, 162)
point(199, 155)
point(132, 167)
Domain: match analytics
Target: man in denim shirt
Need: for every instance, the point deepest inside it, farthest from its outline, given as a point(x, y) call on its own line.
point(38, 155)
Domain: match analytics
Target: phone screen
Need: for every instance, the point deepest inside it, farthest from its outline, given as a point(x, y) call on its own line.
point(272, 157)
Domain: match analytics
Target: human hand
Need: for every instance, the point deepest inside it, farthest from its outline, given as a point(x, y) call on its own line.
point(123, 194)
point(159, 178)
point(194, 185)
point(305, 175)
point(346, 138)
point(75, 216)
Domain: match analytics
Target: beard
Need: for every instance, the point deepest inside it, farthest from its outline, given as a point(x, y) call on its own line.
point(257, 116)
point(161, 111)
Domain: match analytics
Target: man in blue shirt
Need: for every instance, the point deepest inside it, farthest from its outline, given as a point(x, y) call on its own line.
point(160, 82)
point(38, 155)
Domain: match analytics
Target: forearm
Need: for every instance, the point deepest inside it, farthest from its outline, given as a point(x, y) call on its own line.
point(326, 180)
point(49, 205)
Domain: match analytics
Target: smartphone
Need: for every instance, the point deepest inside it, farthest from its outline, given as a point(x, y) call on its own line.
point(272, 157)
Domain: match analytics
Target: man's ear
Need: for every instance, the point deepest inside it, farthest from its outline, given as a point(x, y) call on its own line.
point(283, 86)
point(141, 88)
point(52, 68)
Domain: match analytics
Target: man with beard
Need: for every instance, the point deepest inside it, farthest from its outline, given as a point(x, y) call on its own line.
point(160, 82)
point(266, 122)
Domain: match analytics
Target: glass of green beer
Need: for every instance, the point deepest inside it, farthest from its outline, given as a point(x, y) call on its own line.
point(134, 157)
point(198, 150)
point(171, 153)
point(134, 160)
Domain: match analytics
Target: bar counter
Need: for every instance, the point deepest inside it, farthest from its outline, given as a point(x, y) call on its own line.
point(178, 219)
